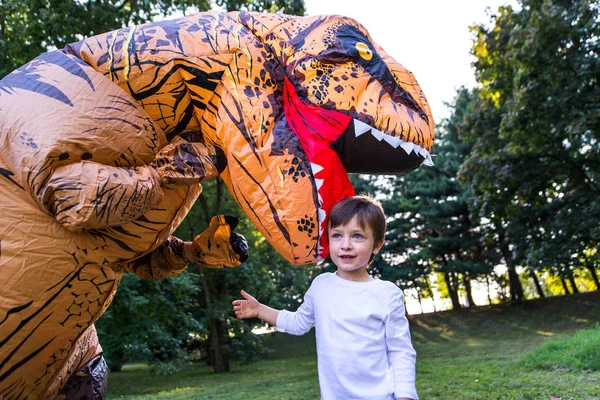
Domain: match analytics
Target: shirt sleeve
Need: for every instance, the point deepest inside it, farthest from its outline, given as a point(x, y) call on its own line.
point(401, 354)
point(299, 322)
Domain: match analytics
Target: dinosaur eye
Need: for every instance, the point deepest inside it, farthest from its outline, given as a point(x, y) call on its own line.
point(364, 51)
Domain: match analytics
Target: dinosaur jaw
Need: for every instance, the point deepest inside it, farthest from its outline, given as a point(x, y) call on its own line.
point(364, 149)
point(394, 141)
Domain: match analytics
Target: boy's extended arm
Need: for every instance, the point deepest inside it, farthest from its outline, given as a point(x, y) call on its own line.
point(401, 353)
point(251, 308)
point(294, 323)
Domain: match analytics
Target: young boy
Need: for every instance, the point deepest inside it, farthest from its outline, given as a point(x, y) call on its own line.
point(363, 341)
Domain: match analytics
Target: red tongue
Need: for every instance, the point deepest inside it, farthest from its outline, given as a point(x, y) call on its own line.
point(317, 128)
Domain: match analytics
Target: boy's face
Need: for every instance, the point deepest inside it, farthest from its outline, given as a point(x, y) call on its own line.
point(350, 249)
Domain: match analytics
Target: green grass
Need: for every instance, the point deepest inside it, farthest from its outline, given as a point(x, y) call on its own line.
point(290, 373)
point(483, 353)
point(580, 352)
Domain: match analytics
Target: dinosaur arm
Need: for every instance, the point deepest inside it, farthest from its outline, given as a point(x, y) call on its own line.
point(166, 260)
point(88, 195)
point(216, 247)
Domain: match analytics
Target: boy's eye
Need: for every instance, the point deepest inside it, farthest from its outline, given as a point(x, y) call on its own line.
point(335, 235)
point(357, 236)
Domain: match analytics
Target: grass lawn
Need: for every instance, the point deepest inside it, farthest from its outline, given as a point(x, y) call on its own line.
point(466, 354)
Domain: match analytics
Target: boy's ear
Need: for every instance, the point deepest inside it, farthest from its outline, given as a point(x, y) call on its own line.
point(377, 248)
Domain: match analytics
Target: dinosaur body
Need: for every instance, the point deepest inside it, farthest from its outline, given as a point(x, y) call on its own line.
point(103, 147)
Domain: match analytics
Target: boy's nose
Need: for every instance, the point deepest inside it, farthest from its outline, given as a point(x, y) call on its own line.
point(346, 243)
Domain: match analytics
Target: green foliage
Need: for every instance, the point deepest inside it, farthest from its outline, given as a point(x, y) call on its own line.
point(533, 123)
point(547, 58)
point(579, 352)
point(150, 321)
point(170, 320)
point(293, 7)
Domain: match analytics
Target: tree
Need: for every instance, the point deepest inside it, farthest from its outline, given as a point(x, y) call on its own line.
point(31, 27)
point(534, 167)
point(151, 321)
point(431, 229)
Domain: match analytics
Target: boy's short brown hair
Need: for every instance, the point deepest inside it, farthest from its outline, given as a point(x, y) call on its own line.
point(368, 213)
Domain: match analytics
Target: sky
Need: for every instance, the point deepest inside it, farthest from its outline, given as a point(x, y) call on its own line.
point(430, 38)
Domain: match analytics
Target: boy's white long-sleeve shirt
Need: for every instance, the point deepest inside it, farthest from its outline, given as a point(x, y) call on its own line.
point(363, 341)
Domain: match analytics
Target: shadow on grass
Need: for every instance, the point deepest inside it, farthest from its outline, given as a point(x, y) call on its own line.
point(528, 322)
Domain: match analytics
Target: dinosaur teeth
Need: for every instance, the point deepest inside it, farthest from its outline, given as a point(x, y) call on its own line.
point(360, 128)
point(319, 183)
point(321, 214)
point(393, 140)
point(316, 168)
point(378, 134)
point(428, 161)
point(407, 146)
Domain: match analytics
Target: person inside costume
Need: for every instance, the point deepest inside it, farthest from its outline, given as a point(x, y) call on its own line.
point(104, 146)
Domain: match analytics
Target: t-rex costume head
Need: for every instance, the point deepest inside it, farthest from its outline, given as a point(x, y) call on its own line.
point(104, 144)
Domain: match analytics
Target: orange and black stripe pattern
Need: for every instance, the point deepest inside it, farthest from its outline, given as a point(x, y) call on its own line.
point(104, 145)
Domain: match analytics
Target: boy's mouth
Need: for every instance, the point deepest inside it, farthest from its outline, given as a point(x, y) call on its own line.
point(347, 257)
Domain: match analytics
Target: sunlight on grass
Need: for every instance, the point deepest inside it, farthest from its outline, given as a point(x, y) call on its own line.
point(543, 333)
point(579, 352)
point(176, 391)
point(135, 367)
point(473, 343)
point(447, 335)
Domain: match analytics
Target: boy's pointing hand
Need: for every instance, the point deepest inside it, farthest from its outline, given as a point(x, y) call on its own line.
point(247, 308)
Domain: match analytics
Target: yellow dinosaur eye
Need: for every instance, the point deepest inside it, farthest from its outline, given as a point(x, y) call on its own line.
point(364, 51)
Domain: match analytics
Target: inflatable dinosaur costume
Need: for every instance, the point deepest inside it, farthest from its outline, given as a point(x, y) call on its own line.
point(103, 147)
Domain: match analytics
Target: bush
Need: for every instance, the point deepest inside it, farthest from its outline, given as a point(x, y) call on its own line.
point(579, 352)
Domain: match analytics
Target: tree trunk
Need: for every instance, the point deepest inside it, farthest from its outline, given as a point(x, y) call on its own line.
point(536, 281)
point(564, 285)
point(419, 299)
point(573, 284)
point(430, 291)
point(590, 266)
point(218, 358)
point(516, 289)
point(452, 291)
point(489, 294)
point(467, 283)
